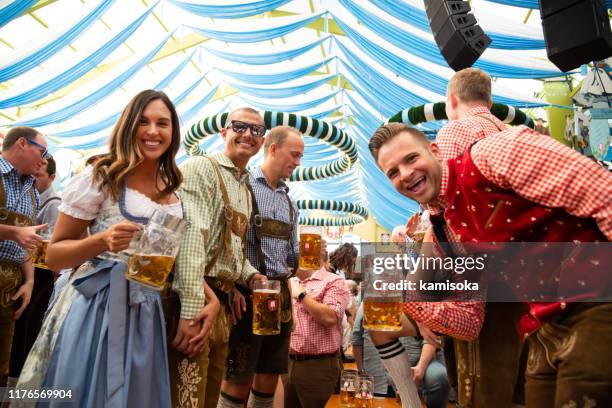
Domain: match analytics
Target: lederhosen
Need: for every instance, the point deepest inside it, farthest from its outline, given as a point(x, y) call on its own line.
point(30, 322)
point(190, 378)
point(268, 227)
point(11, 275)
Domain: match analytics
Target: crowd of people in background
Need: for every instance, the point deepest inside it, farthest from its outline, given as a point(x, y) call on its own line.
point(79, 324)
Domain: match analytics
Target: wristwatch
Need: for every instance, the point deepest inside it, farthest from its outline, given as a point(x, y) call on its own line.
point(301, 296)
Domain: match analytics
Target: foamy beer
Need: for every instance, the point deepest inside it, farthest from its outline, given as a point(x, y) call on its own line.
point(150, 270)
point(348, 388)
point(266, 308)
point(153, 258)
point(310, 247)
point(38, 259)
point(382, 302)
point(364, 394)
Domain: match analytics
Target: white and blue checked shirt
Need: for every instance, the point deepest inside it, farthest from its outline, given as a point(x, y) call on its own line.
point(18, 199)
point(272, 203)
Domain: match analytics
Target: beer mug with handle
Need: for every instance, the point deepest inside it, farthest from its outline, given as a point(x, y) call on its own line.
point(154, 255)
point(310, 247)
point(365, 393)
point(382, 302)
point(266, 307)
point(348, 387)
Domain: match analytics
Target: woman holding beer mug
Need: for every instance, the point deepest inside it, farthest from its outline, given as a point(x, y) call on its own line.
point(104, 339)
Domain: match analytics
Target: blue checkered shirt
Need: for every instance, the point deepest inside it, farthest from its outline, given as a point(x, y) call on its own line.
point(272, 204)
point(18, 199)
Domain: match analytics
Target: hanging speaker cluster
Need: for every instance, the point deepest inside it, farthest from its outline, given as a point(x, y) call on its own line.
point(575, 31)
point(456, 31)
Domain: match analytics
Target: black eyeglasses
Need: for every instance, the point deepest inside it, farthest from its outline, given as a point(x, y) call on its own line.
point(45, 152)
point(241, 127)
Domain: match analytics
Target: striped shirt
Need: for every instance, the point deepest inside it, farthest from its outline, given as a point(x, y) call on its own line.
point(203, 203)
point(272, 204)
point(19, 200)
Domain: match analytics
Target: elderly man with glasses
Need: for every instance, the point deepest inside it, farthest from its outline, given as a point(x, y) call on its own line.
point(24, 153)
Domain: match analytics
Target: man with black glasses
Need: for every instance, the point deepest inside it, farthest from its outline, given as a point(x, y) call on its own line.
point(24, 152)
point(217, 207)
point(273, 249)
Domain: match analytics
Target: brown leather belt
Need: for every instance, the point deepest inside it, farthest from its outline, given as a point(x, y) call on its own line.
point(306, 357)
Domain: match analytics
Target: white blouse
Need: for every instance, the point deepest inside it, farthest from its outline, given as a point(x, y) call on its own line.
point(83, 200)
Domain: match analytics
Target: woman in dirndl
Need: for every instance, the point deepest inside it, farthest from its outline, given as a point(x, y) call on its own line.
point(104, 339)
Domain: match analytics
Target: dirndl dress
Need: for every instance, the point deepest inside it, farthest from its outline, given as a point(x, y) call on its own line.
point(104, 339)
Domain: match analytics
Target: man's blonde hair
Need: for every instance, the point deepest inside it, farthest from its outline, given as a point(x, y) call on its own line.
point(471, 85)
point(277, 136)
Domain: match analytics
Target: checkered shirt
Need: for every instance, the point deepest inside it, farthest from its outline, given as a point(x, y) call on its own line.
point(18, 199)
point(309, 337)
point(203, 205)
point(273, 204)
point(460, 134)
point(541, 170)
point(548, 173)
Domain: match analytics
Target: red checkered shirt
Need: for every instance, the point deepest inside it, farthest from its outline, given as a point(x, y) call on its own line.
point(548, 173)
point(460, 134)
point(541, 170)
point(310, 337)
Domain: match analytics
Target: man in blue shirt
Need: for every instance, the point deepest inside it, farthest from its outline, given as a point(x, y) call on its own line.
point(24, 152)
point(272, 247)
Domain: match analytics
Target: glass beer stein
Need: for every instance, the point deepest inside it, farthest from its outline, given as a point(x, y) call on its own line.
point(154, 255)
point(421, 229)
point(266, 308)
point(348, 387)
point(364, 394)
point(382, 302)
point(38, 258)
point(310, 247)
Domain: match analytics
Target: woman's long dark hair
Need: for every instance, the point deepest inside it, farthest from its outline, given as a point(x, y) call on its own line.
point(112, 168)
point(343, 258)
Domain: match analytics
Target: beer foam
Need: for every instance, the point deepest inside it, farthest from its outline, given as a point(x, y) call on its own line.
point(266, 291)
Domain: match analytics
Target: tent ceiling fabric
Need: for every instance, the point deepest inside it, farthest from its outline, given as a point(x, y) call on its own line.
point(68, 66)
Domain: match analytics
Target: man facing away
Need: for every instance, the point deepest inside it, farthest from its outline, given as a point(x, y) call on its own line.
point(517, 186)
point(273, 250)
point(319, 300)
point(217, 206)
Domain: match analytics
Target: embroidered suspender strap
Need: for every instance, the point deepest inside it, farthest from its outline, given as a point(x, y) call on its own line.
point(12, 217)
point(257, 227)
point(227, 217)
point(262, 227)
point(492, 121)
point(296, 261)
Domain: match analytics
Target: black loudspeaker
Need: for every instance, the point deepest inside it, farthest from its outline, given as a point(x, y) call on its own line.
point(460, 40)
point(575, 31)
